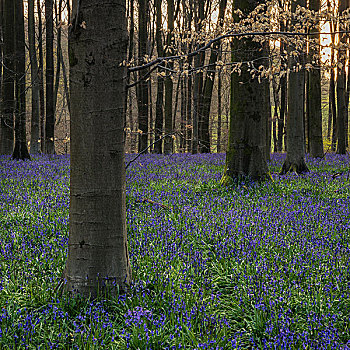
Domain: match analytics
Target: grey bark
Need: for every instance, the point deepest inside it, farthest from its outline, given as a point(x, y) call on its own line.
point(168, 84)
point(160, 81)
point(20, 150)
point(341, 90)
point(35, 119)
point(8, 96)
point(209, 85)
point(142, 87)
point(98, 259)
point(50, 111)
point(41, 78)
point(314, 112)
point(295, 160)
point(248, 118)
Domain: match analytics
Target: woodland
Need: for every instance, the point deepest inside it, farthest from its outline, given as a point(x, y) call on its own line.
point(174, 174)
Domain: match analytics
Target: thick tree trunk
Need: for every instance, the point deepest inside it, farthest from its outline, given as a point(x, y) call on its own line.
point(295, 160)
point(50, 112)
point(34, 125)
point(314, 92)
point(183, 115)
point(41, 79)
point(142, 88)
point(20, 150)
point(283, 112)
point(208, 86)
point(8, 96)
point(97, 249)
point(168, 104)
point(248, 118)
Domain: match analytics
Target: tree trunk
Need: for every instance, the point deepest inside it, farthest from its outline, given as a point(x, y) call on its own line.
point(168, 105)
point(248, 118)
point(142, 88)
point(209, 84)
point(341, 91)
point(8, 98)
point(160, 81)
point(314, 91)
point(41, 79)
point(34, 128)
point(98, 259)
point(20, 150)
point(58, 52)
point(295, 160)
point(50, 112)
point(218, 145)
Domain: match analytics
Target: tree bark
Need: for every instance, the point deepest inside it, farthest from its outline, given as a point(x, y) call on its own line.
point(295, 160)
point(58, 52)
point(41, 79)
point(198, 82)
point(209, 84)
point(168, 103)
point(20, 150)
point(142, 88)
point(50, 112)
point(314, 91)
point(34, 126)
point(8, 85)
point(247, 131)
point(160, 81)
point(98, 259)
point(341, 91)
point(218, 146)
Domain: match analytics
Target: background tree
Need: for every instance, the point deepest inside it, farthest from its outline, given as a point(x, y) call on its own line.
point(295, 160)
point(34, 128)
point(50, 112)
point(314, 107)
point(342, 106)
point(97, 248)
point(8, 95)
point(20, 150)
point(209, 84)
point(143, 86)
point(247, 131)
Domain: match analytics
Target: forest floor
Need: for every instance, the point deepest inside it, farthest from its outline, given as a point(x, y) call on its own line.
point(253, 266)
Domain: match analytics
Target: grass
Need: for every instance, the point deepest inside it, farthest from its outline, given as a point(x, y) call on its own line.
point(254, 266)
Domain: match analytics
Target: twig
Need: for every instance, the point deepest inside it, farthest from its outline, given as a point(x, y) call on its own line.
point(221, 37)
point(156, 203)
point(147, 148)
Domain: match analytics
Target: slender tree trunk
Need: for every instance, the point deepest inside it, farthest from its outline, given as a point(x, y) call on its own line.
point(20, 150)
point(160, 80)
point(209, 84)
point(275, 90)
point(247, 133)
point(41, 78)
point(50, 112)
point(168, 105)
point(34, 129)
point(142, 88)
point(8, 97)
point(97, 248)
point(341, 90)
point(314, 92)
point(183, 115)
point(58, 53)
point(218, 146)
point(295, 160)
point(1, 42)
